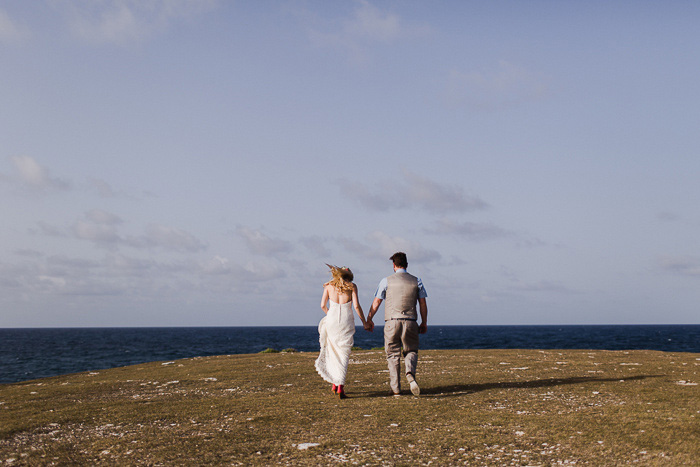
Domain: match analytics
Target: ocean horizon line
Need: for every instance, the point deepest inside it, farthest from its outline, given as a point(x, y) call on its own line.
point(184, 326)
point(30, 353)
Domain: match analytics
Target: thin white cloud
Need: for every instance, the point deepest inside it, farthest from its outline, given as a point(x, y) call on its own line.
point(365, 27)
point(361, 249)
point(28, 253)
point(259, 272)
point(507, 86)
point(30, 176)
point(216, 265)
point(102, 228)
point(316, 245)
point(35, 176)
point(389, 245)
point(261, 244)
point(49, 230)
point(65, 262)
point(119, 265)
point(367, 23)
point(470, 230)
point(103, 189)
point(371, 23)
point(10, 30)
point(98, 226)
point(114, 275)
point(104, 234)
point(413, 192)
point(683, 266)
point(250, 272)
point(667, 216)
point(116, 24)
point(124, 21)
point(99, 216)
point(171, 238)
point(380, 245)
point(544, 286)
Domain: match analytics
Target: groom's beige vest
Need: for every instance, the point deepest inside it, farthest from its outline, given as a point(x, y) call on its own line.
point(401, 296)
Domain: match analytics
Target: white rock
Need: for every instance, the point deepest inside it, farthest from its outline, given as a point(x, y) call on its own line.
point(304, 446)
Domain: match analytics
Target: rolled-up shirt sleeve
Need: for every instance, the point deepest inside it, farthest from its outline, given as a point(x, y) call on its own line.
point(381, 289)
point(421, 290)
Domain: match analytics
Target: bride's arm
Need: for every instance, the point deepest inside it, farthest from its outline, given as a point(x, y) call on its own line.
point(324, 300)
point(356, 304)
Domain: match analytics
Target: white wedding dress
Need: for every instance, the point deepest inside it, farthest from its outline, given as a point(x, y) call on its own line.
point(336, 331)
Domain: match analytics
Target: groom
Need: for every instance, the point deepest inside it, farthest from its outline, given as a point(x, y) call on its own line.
point(401, 291)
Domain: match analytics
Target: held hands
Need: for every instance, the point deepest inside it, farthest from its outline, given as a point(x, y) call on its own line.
point(369, 325)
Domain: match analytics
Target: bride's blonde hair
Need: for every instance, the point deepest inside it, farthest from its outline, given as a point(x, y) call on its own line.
point(342, 278)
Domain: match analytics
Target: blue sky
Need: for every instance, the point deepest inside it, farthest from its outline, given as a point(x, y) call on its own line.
point(197, 162)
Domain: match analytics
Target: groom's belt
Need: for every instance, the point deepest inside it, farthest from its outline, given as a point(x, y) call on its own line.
point(402, 319)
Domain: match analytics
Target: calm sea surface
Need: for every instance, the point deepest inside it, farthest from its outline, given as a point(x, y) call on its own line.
point(36, 353)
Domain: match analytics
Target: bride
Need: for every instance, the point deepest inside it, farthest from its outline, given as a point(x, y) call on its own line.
point(337, 328)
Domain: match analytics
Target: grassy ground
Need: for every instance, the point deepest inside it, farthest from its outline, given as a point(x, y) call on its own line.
point(478, 407)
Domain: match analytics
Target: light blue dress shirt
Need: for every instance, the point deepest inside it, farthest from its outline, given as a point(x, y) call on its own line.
point(381, 289)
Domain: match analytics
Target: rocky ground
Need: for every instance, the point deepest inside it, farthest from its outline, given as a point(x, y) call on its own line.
point(477, 407)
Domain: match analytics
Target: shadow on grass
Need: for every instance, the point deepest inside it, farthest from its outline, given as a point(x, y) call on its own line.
point(462, 389)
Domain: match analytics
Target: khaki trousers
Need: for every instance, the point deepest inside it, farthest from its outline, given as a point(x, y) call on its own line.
point(400, 336)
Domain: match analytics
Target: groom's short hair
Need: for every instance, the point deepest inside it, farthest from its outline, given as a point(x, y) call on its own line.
point(399, 259)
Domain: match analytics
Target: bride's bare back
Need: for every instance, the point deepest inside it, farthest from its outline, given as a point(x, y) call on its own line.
point(336, 296)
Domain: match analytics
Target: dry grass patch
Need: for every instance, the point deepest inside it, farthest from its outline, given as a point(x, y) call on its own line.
point(477, 407)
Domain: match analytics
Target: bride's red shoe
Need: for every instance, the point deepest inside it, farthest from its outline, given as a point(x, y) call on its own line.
point(334, 388)
point(341, 392)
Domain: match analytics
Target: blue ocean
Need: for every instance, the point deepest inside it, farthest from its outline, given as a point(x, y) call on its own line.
point(36, 353)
